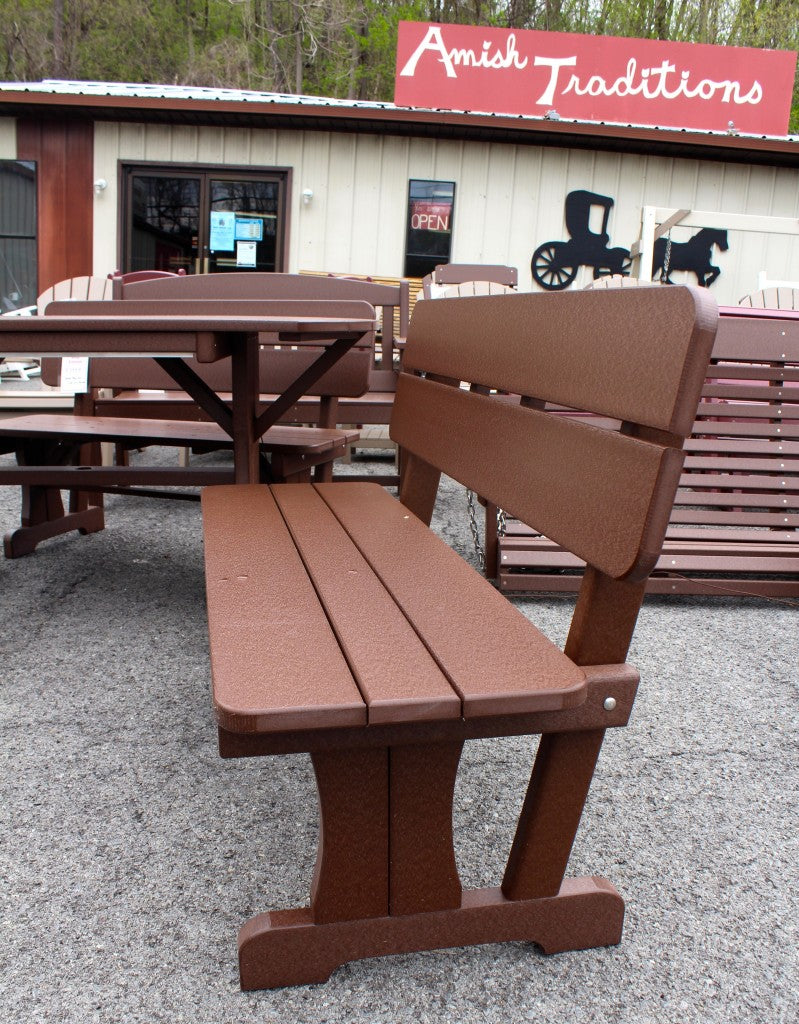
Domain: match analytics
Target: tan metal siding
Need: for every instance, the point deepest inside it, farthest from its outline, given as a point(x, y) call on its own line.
point(8, 138)
point(509, 199)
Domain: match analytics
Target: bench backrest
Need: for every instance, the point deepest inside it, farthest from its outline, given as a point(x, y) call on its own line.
point(279, 365)
point(451, 274)
point(635, 355)
point(76, 288)
point(390, 300)
point(742, 458)
point(772, 298)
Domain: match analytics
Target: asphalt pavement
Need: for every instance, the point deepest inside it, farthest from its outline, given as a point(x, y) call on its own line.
point(131, 853)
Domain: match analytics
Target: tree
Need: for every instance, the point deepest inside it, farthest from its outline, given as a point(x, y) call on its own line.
point(343, 48)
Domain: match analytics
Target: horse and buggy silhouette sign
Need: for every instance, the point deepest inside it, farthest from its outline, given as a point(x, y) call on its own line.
point(555, 264)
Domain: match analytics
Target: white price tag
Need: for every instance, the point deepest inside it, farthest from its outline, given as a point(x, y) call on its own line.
point(75, 374)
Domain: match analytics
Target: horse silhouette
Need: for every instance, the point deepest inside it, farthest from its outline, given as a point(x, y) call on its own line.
point(693, 255)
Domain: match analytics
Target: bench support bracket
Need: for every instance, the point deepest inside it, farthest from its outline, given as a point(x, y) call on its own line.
point(287, 948)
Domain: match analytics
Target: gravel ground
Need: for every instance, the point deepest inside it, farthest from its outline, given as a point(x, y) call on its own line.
point(131, 852)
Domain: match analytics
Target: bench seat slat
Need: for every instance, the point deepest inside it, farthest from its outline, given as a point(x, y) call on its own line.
point(787, 483)
point(776, 448)
point(776, 412)
point(747, 428)
point(739, 464)
point(765, 499)
point(513, 668)
point(399, 679)
point(167, 432)
point(778, 519)
point(275, 662)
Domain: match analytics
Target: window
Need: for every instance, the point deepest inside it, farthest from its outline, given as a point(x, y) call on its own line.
point(428, 239)
point(203, 221)
point(18, 268)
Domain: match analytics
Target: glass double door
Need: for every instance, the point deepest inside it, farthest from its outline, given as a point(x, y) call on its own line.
point(203, 221)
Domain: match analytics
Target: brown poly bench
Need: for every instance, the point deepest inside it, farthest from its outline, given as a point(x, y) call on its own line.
point(341, 625)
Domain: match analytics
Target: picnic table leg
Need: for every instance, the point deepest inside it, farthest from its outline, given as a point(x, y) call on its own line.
point(244, 370)
point(42, 512)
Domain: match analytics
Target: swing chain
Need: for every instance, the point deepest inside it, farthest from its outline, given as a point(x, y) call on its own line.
point(479, 549)
point(664, 270)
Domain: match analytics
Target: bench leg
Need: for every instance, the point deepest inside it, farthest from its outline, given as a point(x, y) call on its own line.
point(42, 513)
point(386, 879)
point(585, 914)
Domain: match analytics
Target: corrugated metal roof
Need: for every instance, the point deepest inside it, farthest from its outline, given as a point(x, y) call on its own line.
point(204, 105)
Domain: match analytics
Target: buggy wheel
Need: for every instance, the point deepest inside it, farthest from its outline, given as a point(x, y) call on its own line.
point(548, 269)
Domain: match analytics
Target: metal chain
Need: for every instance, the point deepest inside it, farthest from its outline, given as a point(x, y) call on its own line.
point(664, 270)
point(478, 546)
point(479, 549)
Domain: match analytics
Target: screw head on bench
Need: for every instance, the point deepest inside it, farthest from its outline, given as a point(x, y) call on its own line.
point(610, 703)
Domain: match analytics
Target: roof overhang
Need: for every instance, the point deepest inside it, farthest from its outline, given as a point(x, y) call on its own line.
point(186, 105)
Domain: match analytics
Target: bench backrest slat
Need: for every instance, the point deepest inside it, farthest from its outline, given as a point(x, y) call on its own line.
point(615, 352)
point(638, 355)
point(392, 301)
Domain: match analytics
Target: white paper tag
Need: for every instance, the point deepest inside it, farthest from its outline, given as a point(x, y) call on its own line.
point(246, 254)
point(75, 374)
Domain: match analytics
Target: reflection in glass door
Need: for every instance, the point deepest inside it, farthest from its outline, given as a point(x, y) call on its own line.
point(163, 222)
point(204, 221)
point(243, 224)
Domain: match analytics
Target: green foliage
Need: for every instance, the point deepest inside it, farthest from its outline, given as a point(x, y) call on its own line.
point(343, 48)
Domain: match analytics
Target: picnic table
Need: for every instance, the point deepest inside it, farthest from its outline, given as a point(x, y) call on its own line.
point(170, 339)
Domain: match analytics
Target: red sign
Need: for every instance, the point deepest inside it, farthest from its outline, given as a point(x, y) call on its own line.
point(594, 78)
point(429, 216)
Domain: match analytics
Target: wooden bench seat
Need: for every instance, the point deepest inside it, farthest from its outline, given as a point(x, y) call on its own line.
point(294, 451)
point(341, 626)
point(734, 528)
point(313, 538)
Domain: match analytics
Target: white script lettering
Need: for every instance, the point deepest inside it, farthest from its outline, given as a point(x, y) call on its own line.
point(664, 81)
point(434, 42)
point(650, 84)
point(555, 63)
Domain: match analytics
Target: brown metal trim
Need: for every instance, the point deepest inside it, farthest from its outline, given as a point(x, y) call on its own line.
point(64, 155)
point(410, 122)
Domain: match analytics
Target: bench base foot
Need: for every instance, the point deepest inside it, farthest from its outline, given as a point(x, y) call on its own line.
point(24, 539)
point(285, 947)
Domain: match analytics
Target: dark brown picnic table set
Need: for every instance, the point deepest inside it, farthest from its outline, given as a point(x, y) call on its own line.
point(342, 626)
point(169, 339)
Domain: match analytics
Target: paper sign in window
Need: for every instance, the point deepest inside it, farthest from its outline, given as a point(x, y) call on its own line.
point(249, 229)
point(245, 254)
point(223, 226)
